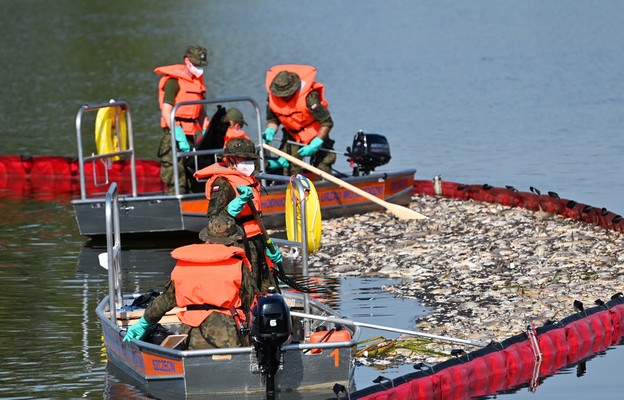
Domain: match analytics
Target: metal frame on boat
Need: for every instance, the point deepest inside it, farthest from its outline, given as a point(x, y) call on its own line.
point(154, 212)
point(165, 371)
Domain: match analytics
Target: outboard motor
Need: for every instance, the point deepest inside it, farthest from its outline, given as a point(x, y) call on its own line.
point(270, 328)
point(368, 152)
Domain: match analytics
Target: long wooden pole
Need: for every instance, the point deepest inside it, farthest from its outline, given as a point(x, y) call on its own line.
point(399, 211)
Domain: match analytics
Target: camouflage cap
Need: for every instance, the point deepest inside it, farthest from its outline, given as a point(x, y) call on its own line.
point(235, 115)
point(197, 55)
point(239, 147)
point(285, 83)
point(221, 229)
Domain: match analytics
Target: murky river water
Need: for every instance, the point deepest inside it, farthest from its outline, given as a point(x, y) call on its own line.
point(519, 93)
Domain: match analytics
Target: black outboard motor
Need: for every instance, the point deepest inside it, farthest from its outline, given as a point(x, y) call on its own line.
point(369, 151)
point(270, 328)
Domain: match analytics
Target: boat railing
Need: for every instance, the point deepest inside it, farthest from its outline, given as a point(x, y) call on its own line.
point(196, 153)
point(122, 109)
point(113, 240)
point(113, 251)
point(300, 243)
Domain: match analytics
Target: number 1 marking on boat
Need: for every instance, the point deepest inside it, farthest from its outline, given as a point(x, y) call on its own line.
point(336, 354)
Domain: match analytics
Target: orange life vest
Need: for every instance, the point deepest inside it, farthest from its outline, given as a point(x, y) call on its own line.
point(234, 134)
point(191, 89)
point(208, 274)
point(294, 114)
point(235, 178)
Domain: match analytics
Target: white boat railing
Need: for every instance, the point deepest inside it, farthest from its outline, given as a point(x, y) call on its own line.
point(195, 153)
point(113, 251)
point(113, 242)
point(121, 108)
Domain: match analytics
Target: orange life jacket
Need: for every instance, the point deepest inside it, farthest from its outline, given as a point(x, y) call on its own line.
point(294, 115)
point(208, 274)
point(235, 178)
point(234, 134)
point(191, 89)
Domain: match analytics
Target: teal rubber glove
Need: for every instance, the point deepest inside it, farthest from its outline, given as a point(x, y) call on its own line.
point(312, 148)
point(137, 330)
point(245, 191)
point(283, 162)
point(279, 163)
point(235, 206)
point(180, 137)
point(268, 134)
point(275, 257)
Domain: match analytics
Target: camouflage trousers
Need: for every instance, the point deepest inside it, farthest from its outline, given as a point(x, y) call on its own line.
point(322, 160)
point(217, 331)
point(166, 166)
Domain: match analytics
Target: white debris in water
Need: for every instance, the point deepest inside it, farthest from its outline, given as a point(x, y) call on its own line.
point(486, 271)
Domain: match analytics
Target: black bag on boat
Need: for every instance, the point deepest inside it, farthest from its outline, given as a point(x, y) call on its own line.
point(156, 333)
point(145, 299)
point(213, 139)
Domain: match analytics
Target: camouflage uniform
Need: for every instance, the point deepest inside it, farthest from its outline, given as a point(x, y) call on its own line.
point(321, 159)
point(166, 165)
point(218, 329)
point(197, 55)
point(221, 195)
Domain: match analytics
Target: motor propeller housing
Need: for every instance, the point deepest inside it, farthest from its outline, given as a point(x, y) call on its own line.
point(369, 151)
point(271, 327)
point(270, 318)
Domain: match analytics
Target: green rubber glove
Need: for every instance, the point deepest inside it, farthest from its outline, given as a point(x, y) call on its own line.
point(283, 162)
point(279, 163)
point(137, 330)
point(312, 148)
point(235, 206)
point(275, 257)
point(268, 134)
point(180, 137)
point(272, 164)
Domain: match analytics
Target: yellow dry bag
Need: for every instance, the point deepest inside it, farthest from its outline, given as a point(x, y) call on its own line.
point(109, 139)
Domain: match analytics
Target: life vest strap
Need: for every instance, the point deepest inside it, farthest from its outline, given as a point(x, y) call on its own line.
point(182, 119)
point(203, 307)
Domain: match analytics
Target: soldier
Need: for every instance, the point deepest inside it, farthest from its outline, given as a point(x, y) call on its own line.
point(298, 103)
point(234, 118)
point(181, 82)
point(214, 282)
point(230, 186)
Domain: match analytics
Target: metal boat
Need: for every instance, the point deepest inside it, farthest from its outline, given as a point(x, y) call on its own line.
point(156, 212)
point(303, 362)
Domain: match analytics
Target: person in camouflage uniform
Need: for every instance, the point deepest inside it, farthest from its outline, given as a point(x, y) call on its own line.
point(297, 102)
point(181, 82)
point(219, 329)
point(230, 186)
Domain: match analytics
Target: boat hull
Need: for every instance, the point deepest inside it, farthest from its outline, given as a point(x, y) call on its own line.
point(149, 213)
point(163, 371)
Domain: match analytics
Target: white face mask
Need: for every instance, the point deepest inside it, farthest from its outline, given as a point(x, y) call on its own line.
point(246, 167)
point(197, 71)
